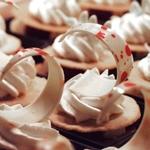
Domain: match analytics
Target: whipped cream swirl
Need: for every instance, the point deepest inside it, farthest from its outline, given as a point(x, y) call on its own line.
point(110, 2)
point(19, 77)
point(144, 67)
point(52, 12)
point(133, 26)
point(79, 46)
point(84, 97)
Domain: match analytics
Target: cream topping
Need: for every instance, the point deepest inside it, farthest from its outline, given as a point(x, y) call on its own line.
point(30, 134)
point(144, 67)
point(52, 12)
point(18, 78)
point(133, 26)
point(84, 97)
point(79, 46)
point(110, 2)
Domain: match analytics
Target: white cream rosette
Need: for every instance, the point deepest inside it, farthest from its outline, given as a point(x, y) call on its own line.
point(79, 46)
point(18, 79)
point(84, 97)
point(52, 12)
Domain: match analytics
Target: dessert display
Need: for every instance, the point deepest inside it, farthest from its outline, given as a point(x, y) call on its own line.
point(133, 26)
point(9, 44)
point(29, 127)
point(104, 102)
point(115, 6)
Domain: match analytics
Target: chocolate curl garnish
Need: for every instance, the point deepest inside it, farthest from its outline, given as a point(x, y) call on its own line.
point(10, 2)
point(113, 42)
point(42, 107)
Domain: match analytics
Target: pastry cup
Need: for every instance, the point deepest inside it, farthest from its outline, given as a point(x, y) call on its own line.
point(116, 9)
point(23, 16)
point(106, 62)
point(130, 115)
point(12, 45)
point(35, 89)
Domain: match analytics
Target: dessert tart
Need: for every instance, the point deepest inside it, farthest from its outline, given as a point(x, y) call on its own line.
point(20, 85)
point(49, 16)
point(89, 104)
point(80, 51)
point(29, 127)
point(99, 93)
point(133, 26)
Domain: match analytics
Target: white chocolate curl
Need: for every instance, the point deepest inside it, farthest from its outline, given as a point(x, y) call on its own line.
point(82, 102)
point(43, 106)
point(28, 127)
point(52, 12)
point(18, 79)
point(112, 41)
